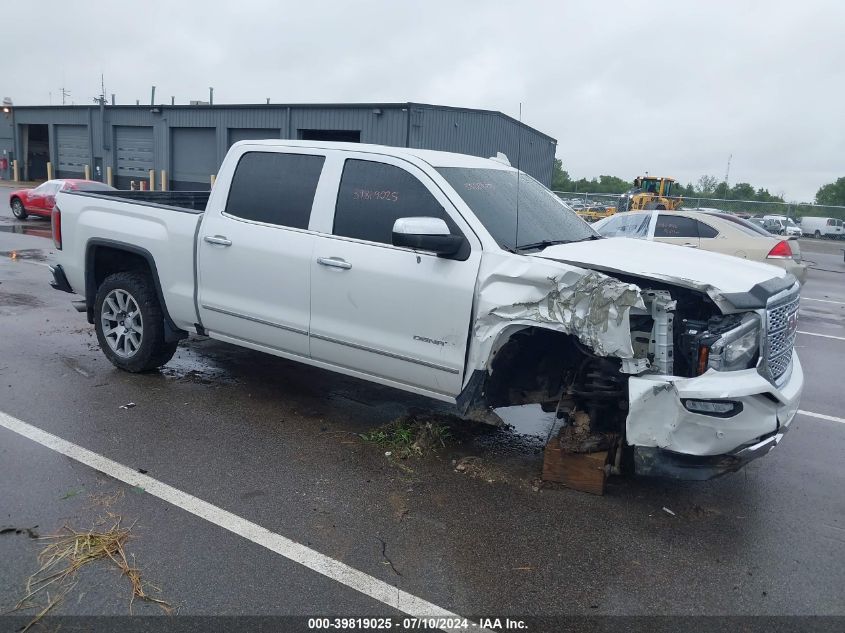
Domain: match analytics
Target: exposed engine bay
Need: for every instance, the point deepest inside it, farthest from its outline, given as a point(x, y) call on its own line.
point(675, 332)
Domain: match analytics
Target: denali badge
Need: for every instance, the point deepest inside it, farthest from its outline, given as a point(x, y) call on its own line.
point(425, 339)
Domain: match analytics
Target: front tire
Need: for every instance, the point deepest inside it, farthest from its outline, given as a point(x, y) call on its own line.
point(817, 234)
point(18, 210)
point(129, 322)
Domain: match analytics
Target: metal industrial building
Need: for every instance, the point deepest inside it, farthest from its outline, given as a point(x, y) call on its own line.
point(188, 142)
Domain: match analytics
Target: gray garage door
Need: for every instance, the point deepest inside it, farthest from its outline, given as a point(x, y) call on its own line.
point(193, 158)
point(72, 145)
point(251, 134)
point(133, 146)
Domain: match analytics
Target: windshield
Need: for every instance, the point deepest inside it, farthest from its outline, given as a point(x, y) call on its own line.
point(543, 217)
point(625, 225)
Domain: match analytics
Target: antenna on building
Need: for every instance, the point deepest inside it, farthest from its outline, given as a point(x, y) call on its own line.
point(153, 97)
point(210, 96)
point(65, 94)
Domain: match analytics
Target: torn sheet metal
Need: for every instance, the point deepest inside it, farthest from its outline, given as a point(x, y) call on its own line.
point(527, 291)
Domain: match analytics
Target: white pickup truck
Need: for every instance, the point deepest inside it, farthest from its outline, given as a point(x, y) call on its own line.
point(451, 276)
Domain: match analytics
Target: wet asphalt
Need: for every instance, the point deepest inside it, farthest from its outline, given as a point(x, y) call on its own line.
point(279, 444)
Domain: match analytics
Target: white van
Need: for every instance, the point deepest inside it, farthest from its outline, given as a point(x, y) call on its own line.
point(821, 227)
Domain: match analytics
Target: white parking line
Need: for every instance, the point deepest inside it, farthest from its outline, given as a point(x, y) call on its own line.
point(822, 416)
point(838, 338)
point(841, 303)
point(305, 556)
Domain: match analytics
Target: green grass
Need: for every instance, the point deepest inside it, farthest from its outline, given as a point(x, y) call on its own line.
point(409, 437)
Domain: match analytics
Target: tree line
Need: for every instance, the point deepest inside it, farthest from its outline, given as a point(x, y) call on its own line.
point(706, 186)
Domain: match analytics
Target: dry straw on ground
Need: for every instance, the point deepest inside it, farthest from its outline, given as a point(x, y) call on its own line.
point(70, 550)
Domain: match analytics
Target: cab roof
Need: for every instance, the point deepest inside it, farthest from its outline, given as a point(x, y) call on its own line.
point(432, 157)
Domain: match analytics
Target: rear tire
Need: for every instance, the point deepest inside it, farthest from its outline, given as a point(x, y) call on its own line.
point(129, 322)
point(817, 234)
point(17, 209)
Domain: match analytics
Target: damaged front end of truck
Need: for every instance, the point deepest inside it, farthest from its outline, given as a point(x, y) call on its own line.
point(672, 377)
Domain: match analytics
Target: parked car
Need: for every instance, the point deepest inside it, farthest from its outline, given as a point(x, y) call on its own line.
point(408, 268)
point(713, 231)
point(822, 227)
point(39, 200)
point(781, 225)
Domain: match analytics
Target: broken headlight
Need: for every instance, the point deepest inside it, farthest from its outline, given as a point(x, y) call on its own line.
point(736, 349)
point(723, 343)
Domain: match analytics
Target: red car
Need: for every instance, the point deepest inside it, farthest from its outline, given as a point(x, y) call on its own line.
point(41, 200)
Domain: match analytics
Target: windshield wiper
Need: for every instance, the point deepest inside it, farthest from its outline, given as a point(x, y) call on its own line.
point(545, 243)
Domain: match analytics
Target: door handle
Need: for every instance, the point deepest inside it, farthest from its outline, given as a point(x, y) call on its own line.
point(688, 245)
point(334, 262)
point(217, 239)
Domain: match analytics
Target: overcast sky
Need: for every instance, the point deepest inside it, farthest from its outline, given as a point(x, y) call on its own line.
point(670, 87)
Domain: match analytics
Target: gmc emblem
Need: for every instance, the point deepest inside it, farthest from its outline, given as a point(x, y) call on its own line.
point(792, 323)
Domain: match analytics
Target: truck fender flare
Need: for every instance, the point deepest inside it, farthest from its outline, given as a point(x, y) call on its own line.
point(171, 332)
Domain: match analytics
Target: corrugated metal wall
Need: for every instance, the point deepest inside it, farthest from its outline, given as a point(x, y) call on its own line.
point(477, 132)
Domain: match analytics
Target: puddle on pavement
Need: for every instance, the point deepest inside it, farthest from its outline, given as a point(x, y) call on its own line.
point(189, 365)
point(530, 419)
point(27, 229)
point(29, 254)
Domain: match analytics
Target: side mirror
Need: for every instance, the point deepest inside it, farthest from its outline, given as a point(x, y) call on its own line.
point(426, 234)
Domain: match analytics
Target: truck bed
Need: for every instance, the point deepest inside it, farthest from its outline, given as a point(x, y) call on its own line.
point(185, 201)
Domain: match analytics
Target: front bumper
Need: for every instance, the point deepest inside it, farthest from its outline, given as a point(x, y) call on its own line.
point(671, 441)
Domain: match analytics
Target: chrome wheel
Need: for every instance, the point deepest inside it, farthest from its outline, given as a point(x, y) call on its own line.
point(17, 209)
point(123, 326)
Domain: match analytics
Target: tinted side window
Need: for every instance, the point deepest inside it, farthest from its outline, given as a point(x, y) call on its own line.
point(372, 196)
point(675, 226)
point(705, 230)
point(275, 188)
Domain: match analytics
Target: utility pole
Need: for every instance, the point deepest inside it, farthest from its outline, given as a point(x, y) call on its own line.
point(727, 175)
point(65, 95)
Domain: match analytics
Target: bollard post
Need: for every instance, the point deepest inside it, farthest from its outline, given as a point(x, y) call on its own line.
point(213, 179)
point(163, 182)
point(49, 171)
point(15, 171)
point(152, 180)
point(87, 172)
point(109, 176)
point(143, 184)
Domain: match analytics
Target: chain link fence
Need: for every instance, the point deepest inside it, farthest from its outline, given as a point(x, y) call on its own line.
point(598, 201)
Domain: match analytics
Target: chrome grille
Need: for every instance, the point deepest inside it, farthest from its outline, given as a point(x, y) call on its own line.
point(780, 336)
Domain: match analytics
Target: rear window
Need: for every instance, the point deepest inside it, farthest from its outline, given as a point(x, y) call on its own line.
point(275, 188)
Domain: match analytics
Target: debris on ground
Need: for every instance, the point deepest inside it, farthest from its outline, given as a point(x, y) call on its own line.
point(668, 511)
point(475, 467)
point(410, 435)
point(70, 550)
point(29, 531)
point(128, 405)
point(106, 499)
